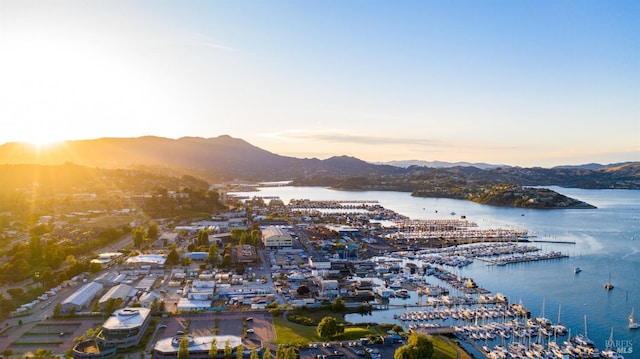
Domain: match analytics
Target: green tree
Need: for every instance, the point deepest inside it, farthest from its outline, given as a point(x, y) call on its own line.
point(213, 254)
point(418, 347)
point(57, 309)
point(203, 237)
point(138, 237)
point(173, 258)
point(291, 353)
point(280, 351)
point(183, 348)
point(153, 231)
point(239, 351)
point(213, 350)
point(254, 354)
point(236, 234)
point(226, 260)
point(267, 353)
point(43, 354)
point(397, 328)
point(327, 327)
point(339, 305)
point(228, 350)
point(255, 237)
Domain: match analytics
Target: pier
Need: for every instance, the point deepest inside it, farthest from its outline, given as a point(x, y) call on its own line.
point(527, 258)
point(560, 242)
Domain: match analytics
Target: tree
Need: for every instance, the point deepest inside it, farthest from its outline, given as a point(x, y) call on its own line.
point(327, 327)
point(239, 351)
point(203, 237)
point(138, 237)
point(213, 254)
point(227, 349)
point(183, 348)
point(280, 351)
point(291, 353)
point(57, 309)
point(303, 290)
point(226, 260)
point(255, 237)
point(153, 231)
point(173, 258)
point(213, 350)
point(418, 347)
point(254, 354)
point(43, 354)
point(339, 305)
point(267, 353)
point(397, 328)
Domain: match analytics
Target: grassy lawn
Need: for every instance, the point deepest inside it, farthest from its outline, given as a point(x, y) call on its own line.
point(291, 333)
point(443, 348)
point(353, 333)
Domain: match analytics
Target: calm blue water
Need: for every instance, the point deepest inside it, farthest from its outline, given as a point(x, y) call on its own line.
point(604, 244)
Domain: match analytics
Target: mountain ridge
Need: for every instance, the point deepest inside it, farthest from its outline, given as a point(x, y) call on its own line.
point(225, 158)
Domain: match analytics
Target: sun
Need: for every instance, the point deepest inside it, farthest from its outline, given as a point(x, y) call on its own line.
point(42, 141)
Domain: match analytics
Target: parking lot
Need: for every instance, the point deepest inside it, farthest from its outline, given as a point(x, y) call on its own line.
point(259, 327)
point(347, 349)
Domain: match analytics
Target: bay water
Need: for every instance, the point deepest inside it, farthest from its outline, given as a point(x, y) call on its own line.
point(607, 243)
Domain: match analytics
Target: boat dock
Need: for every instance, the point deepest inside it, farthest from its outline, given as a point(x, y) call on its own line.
point(560, 242)
point(527, 258)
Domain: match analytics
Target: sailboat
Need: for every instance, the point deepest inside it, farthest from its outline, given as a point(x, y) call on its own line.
point(632, 324)
point(609, 286)
point(609, 352)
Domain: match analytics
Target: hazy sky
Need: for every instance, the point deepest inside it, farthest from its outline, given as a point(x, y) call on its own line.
point(530, 83)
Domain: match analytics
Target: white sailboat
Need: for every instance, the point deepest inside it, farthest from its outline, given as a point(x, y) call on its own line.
point(609, 352)
point(632, 324)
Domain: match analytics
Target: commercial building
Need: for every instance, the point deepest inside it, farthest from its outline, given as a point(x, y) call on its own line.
point(246, 253)
point(122, 330)
point(198, 346)
point(125, 327)
point(81, 298)
point(146, 261)
point(121, 291)
point(276, 237)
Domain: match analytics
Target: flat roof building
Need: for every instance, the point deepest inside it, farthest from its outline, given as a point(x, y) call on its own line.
point(198, 346)
point(276, 237)
point(81, 298)
point(121, 291)
point(125, 327)
point(122, 330)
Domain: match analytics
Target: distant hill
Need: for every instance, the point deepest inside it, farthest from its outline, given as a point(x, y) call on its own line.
point(440, 164)
point(225, 158)
point(219, 158)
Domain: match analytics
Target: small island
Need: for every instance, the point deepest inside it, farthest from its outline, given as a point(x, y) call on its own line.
point(507, 196)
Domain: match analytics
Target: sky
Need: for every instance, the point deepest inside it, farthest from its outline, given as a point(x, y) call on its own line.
point(527, 83)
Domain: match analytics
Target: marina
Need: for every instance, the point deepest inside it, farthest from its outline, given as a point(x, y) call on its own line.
point(449, 280)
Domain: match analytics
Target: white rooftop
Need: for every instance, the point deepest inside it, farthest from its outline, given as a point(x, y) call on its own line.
point(203, 343)
point(127, 318)
point(147, 258)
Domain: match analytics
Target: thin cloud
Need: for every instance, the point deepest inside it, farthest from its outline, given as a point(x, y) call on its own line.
point(357, 139)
